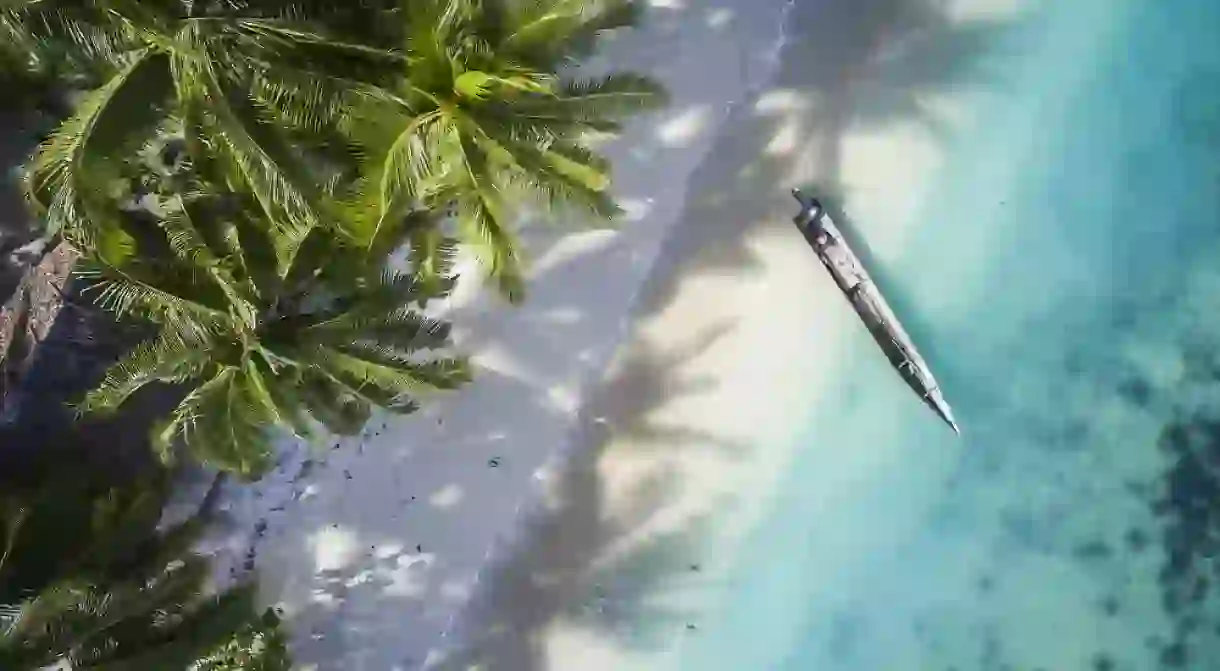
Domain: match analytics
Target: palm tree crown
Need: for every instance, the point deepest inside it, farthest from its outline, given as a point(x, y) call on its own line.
point(325, 341)
point(88, 580)
point(480, 122)
point(239, 75)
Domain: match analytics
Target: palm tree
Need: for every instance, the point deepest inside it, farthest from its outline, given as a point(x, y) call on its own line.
point(88, 581)
point(480, 120)
point(326, 340)
point(233, 76)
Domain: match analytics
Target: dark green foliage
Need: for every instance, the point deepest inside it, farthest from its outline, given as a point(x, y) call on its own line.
point(321, 343)
point(87, 577)
point(480, 122)
point(258, 646)
point(311, 142)
point(232, 75)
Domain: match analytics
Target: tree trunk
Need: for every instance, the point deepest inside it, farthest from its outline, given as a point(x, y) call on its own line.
point(26, 319)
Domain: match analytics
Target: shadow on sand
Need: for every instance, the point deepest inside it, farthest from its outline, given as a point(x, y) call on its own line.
point(846, 66)
point(618, 574)
point(576, 549)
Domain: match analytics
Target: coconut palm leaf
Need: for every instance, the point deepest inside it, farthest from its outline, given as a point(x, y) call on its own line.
point(338, 409)
point(226, 423)
point(480, 120)
point(109, 589)
point(545, 31)
point(166, 359)
point(587, 101)
point(259, 158)
point(335, 335)
point(236, 70)
point(75, 167)
point(196, 634)
point(187, 306)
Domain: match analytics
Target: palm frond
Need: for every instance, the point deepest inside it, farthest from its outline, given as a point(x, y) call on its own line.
point(610, 15)
point(309, 259)
point(394, 370)
point(224, 423)
point(128, 289)
point(301, 100)
point(287, 399)
point(368, 298)
point(260, 159)
point(547, 31)
point(340, 410)
point(264, 256)
point(189, 245)
point(408, 164)
point(383, 377)
point(166, 358)
point(132, 606)
point(483, 228)
point(564, 174)
point(269, 390)
point(404, 330)
point(41, 26)
point(72, 171)
point(611, 97)
point(538, 22)
point(432, 256)
point(198, 631)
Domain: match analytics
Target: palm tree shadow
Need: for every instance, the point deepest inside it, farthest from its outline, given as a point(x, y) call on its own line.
point(553, 317)
point(848, 67)
point(574, 565)
point(618, 574)
point(644, 372)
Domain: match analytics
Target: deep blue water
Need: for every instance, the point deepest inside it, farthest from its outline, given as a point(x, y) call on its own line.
point(1065, 283)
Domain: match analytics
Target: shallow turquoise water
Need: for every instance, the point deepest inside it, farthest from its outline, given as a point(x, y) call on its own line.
point(1065, 284)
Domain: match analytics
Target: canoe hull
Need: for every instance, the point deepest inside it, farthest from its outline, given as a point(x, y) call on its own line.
point(853, 280)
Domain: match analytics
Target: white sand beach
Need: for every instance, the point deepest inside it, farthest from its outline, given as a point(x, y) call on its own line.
point(576, 506)
point(738, 334)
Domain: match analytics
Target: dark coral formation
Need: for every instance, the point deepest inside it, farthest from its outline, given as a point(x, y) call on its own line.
point(1189, 510)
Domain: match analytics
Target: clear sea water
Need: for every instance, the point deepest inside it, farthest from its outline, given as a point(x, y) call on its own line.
point(1064, 281)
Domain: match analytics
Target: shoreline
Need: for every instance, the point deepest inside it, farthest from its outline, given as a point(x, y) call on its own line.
point(374, 546)
point(738, 335)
